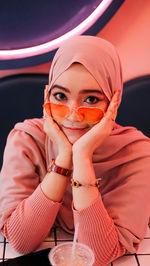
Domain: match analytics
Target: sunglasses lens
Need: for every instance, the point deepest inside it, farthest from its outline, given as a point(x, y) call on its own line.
point(59, 111)
point(90, 115)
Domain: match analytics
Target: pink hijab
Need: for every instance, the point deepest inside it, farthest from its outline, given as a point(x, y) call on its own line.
point(123, 160)
point(98, 56)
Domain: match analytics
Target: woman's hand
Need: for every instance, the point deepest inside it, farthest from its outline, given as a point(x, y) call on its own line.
point(85, 145)
point(54, 132)
point(54, 185)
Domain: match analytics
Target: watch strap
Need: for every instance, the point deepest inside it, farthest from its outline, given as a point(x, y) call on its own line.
point(59, 170)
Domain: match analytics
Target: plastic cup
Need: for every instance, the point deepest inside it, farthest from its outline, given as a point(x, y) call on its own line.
point(61, 255)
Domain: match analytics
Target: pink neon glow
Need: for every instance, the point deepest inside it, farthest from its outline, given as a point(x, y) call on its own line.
point(49, 46)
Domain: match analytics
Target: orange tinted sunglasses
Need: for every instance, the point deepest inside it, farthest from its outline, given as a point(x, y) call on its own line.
point(89, 115)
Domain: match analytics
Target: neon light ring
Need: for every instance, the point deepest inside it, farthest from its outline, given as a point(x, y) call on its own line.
point(31, 31)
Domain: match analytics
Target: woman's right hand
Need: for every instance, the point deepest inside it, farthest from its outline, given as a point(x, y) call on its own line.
point(54, 132)
point(54, 185)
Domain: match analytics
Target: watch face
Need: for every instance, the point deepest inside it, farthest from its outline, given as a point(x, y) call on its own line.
point(27, 31)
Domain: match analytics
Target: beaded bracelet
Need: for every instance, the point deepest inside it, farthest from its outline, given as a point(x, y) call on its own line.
point(76, 184)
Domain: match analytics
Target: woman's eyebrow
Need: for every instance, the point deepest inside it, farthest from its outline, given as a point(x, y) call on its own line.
point(60, 87)
point(80, 92)
point(91, 91)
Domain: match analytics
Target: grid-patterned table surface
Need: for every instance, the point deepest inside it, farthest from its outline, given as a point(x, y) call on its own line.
point(57, 236)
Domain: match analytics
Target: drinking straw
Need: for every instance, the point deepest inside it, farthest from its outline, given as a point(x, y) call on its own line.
point(75, 239)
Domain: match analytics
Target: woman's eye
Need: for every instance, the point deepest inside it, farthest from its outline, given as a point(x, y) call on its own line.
point(92, 99)
point(59, 96)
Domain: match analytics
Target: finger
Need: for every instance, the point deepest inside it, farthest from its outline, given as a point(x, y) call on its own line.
point(48, 118)
point(115, 100)
point(111, 114)
point(47, 108)
point(47, 115)
point(46, 92)
point(50, 125)
point(113, 106)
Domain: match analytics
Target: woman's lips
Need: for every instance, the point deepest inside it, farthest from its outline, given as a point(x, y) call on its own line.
point(74, 128)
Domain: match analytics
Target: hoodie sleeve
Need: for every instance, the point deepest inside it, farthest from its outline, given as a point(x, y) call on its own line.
point(99, 232)
point(26, 214)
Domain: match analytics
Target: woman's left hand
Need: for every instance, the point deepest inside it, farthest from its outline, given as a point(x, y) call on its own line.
point(85, 145)
point(53, 131)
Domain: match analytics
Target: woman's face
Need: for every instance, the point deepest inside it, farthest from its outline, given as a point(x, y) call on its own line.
point(76, 87)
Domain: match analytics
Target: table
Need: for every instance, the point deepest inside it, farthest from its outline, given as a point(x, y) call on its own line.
point(9, 257)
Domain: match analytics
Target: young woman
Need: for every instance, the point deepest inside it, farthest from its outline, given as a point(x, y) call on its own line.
point(78, 140)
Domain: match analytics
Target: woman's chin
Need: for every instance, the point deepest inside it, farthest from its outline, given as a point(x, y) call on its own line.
point(74, 135)
point(73, 139)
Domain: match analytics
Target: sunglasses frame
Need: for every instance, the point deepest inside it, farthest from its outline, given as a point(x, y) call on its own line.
point(77, 111)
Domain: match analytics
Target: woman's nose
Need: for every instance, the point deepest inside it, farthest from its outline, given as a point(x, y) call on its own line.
point(74, 116)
